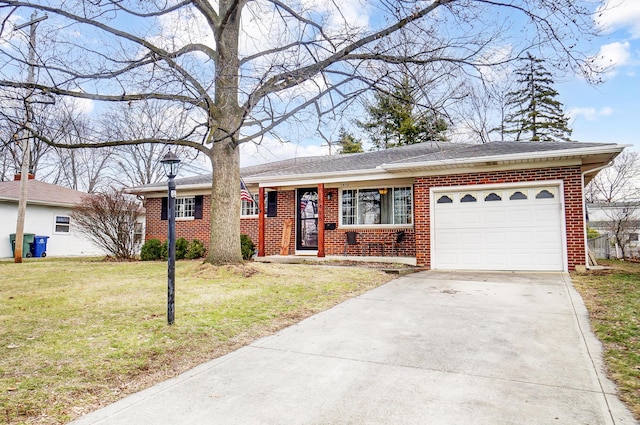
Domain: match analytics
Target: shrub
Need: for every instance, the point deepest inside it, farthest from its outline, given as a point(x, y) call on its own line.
point(164, 250)
point(247, 247)
point(151, 250)
point(195, 250)
point(181, 248)
point(110, 220)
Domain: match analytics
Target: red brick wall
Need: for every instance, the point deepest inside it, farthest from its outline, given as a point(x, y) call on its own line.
point(417, 240)
point(574, 214)
point(188, 229)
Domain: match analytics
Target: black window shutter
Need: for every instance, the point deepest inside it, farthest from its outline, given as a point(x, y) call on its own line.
point(272, 204)
point(197, 213)
point(165, 207)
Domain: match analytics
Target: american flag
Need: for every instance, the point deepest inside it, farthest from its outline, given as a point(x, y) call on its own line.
point(245, 195)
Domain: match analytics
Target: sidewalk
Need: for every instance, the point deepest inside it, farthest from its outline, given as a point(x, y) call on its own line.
point(426, 348)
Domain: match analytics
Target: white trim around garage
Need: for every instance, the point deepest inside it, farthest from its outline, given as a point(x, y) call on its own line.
point(458, 240)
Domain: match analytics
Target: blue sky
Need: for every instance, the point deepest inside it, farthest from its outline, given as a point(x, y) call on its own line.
point(609, 112)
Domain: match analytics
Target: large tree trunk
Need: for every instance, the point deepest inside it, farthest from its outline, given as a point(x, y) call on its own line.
point(225, 203)
point(226, 119)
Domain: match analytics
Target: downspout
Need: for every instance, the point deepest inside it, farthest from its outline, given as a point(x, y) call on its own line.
point(584, 210)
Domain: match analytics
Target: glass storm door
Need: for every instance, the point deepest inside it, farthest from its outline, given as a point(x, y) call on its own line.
point(307, 219)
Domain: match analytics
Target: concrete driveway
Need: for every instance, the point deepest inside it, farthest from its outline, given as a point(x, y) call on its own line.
point(427, 348)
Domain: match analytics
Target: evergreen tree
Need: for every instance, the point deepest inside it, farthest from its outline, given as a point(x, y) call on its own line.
point(348, 142)
point(396, 120)
point(534, 110)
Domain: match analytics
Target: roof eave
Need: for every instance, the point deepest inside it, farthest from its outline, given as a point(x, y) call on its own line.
point(528, 157)
point(41, 203)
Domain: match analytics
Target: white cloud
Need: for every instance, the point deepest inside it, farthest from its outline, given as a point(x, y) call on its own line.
point(617, 14)
point(612, 56)
point(270, 150)
point(589, 113)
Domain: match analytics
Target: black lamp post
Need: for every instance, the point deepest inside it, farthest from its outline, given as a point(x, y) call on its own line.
point(171, 163)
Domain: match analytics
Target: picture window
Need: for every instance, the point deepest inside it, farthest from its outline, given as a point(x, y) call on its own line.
point(392, 206)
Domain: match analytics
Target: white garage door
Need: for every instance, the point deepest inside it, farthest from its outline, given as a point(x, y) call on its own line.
point(498, 229)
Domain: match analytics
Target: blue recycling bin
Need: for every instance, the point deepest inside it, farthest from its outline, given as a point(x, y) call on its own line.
point(39, 246)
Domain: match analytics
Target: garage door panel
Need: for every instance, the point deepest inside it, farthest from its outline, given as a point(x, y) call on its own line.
point(494, 217)
point(547, 237)
point(470, 238)
point(500, 234)
point(495, 237)
point(469, 219)
point(519, 216)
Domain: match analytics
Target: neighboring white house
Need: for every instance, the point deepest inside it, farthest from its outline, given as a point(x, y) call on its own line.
point(48, 214)
point(621, 218)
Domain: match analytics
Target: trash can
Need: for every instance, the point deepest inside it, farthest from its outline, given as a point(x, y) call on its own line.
point(27, 240)
point(39, 246)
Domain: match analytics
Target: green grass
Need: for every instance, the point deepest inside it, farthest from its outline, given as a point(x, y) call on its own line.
point(78, 334)
point(613, 300)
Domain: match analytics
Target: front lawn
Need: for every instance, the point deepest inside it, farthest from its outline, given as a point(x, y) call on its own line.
point(78, 334)
point(613, 299)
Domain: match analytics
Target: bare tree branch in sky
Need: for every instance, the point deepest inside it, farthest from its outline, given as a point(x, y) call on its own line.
point(240, 70)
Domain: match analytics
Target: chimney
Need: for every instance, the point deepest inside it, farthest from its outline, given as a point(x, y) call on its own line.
point(18, 177)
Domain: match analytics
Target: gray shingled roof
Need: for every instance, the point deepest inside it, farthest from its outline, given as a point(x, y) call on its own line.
point(418, 153)
point(42, 193)
point(421, 152)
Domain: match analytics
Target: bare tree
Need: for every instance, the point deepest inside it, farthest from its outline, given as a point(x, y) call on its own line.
point(618, 183)
point(240, 69)
point(111, 221)
point(136, 165)
point(616, 191)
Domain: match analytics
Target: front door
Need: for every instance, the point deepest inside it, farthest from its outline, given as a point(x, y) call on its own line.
point(307, 219)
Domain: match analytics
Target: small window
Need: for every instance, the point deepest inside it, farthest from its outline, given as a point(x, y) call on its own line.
point(633, 237)
point(493, 197)
point(444, 199)
point(517, 195)
point(63, 224)
point(185, 207)
point(468, 198)
point(138, 232)
point(545, 194)
point(249, 208)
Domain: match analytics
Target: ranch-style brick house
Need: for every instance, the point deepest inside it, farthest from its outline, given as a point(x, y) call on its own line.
point(493, 206)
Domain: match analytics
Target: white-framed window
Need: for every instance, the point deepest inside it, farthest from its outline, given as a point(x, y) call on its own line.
point(138, 232)
point(62, 224)
point(248, 208)
point(382, 206)
point(186, 207)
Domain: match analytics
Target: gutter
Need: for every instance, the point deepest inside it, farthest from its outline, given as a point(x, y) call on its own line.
point(527, 157)
point(41, 203)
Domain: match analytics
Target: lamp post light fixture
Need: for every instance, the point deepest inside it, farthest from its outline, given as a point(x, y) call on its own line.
point(171, 163)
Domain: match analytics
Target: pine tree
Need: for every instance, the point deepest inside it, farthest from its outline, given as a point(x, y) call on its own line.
point(534, 110)
point(348, 142)
point(396, 120)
